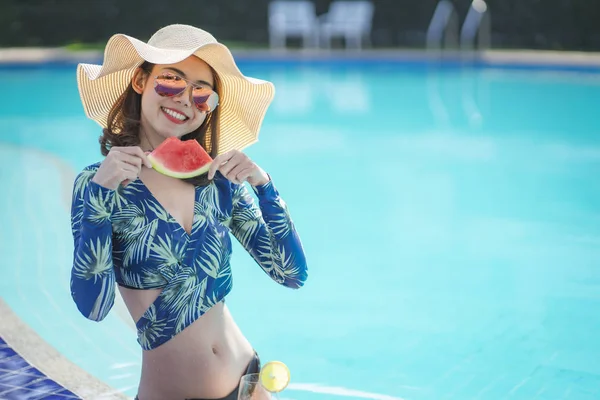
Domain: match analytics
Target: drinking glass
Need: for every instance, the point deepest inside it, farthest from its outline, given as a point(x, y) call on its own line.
point(251, 389)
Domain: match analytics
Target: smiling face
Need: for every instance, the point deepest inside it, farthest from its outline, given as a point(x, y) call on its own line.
point(162, 116)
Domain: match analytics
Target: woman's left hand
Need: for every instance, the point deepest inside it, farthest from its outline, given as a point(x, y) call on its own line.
point(237, 168)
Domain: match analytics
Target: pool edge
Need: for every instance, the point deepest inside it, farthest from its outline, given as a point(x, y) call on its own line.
point(37, 352)
point(527, 58)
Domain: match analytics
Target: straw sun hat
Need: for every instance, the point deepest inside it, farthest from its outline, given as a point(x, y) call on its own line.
point(243, 100)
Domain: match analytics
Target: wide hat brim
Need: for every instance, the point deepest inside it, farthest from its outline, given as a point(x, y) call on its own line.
point(243, 101)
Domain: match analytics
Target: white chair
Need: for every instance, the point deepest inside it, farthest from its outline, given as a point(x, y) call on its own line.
point(294, 18)
point(351, 20)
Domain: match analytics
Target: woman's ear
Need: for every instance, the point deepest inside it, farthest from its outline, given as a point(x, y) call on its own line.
point(139, 80)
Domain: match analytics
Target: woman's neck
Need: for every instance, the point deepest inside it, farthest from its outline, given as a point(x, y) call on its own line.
point(148, 142)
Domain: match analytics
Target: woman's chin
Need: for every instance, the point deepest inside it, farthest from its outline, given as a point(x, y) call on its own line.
point(166, 131)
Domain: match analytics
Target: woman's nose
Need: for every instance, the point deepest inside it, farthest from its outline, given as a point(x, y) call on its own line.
point(184, 97)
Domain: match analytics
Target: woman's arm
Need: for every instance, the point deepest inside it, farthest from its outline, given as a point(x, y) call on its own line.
point(267, 232)
point(94, 191)
point(92, 274)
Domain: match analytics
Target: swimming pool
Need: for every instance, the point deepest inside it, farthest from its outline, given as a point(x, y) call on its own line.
point(449, 214)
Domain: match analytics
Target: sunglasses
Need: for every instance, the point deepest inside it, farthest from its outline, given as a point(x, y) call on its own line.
point(170, 85)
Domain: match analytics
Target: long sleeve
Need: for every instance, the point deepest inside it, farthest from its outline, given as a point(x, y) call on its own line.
point(267, 232)
point(92, 274)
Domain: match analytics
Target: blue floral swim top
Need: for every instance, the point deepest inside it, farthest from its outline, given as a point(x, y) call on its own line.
point(126, 236)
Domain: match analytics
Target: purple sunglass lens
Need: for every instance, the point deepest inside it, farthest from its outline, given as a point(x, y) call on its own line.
point(206, 101)
point(169, 89)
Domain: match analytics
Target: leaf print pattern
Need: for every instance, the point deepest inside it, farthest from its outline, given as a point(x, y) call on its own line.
point(281, 224)
point(92, 275)
point(211, 257)
point(200, 218)
point(154, 328)
point(194, 295)
point(138, 243)
point(81, 182)
point(146, 279)
point(244, 225)
point(157, 210)
point(168, 252)
point(127, 237)
point(209, 198)
point(100, 205)
point(137, 234)
point(95, 262)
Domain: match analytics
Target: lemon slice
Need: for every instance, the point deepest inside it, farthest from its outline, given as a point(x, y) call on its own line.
point(274, 376)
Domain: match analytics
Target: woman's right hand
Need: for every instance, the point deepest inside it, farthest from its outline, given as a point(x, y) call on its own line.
point(122, 165)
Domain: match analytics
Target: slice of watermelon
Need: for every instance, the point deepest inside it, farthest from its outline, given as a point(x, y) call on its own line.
point(180, 159)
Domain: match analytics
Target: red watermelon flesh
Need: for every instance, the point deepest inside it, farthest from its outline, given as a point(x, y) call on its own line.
point(180, 159)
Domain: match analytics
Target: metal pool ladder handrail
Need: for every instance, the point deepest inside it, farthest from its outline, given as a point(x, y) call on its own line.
point(476, 30)
point(443, 26)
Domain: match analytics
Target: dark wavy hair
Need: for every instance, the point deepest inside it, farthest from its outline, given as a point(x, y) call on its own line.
point(123, 125)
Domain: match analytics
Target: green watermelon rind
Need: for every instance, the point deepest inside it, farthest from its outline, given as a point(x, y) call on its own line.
point(158, 166)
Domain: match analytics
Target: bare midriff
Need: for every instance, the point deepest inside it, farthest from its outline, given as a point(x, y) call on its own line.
point(206, 360)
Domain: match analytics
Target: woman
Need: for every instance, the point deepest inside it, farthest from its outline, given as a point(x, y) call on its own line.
point(164, 241)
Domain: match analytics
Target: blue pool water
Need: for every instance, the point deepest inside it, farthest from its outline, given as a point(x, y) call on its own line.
point(450, 217)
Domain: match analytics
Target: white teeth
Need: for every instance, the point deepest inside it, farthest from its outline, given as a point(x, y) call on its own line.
point(175, 114)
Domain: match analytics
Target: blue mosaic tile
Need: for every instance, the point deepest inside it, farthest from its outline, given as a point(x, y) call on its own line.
point(8, 392)
point(67, 394)
point(5, 374)
point(4, 387)
point(23, 394)
point(6, 352)
point(21, 381)
point(13, 363)
point(45, 385)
